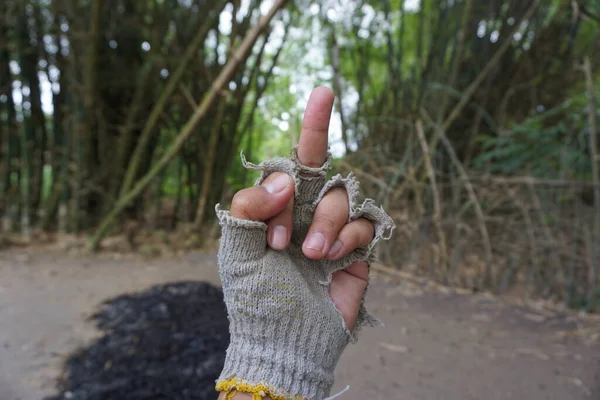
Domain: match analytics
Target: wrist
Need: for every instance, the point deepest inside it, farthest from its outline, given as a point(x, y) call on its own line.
point(281, 353)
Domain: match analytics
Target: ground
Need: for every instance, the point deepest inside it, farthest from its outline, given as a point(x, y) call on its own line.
point(436, 344)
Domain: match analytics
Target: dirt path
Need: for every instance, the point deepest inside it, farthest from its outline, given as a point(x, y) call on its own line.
point(434, 346)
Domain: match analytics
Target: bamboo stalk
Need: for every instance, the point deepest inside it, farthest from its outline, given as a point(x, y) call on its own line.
point(593, 149)
point(417, 66)
point(226, 73)
point(455, 258)
point(90, 115)
point(40, 145)
point(533, 247)
point(573, 259)
point(6, 137)
point(391, 56)
point(437, 209)
point(25, 182)
point(458, 53)
point(488, 278)
point(399, 72)
point(27, 136)
point(209, 162)
point(554, 256)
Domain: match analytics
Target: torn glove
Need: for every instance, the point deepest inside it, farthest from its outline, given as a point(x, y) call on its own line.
point(286, 333)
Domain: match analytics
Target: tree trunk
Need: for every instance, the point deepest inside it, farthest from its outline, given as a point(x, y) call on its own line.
point(35, 53)
point(60, 157)
point(209, 161)
point(26, 146)
point(6, 127)
point(595, 161)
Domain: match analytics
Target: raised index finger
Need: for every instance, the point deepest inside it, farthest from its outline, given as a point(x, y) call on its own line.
point(313, 146)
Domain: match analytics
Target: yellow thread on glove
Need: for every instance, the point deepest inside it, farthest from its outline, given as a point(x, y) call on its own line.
point(233, 386)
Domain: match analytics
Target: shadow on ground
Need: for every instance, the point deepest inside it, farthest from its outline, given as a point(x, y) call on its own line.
point(167, 342)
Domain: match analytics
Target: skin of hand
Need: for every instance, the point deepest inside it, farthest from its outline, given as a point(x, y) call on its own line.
point(330, 236)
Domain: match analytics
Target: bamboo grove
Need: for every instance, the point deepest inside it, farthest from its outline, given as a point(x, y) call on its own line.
point(475, 122)
point(125, 77)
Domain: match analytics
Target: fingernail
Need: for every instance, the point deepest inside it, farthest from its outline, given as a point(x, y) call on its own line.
point(316, 242)
point(279, 237)
point(335, 249)
point(277, 184)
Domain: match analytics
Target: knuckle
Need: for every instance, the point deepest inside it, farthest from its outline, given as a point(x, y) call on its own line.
point(364, 231)
point(352, 236)
point(241, 200)
point(327, 221)
point(332, 211)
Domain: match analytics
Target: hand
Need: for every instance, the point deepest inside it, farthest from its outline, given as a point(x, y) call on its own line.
point(330, 235)
point(293, 260)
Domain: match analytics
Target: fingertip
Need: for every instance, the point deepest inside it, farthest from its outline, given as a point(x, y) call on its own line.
point(263, 202)
point(278, 237)
point(315, 246)
point(323, 91)
point(280, 227)
point(336, 251)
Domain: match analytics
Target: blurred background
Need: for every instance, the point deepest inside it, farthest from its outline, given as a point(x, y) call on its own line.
point(475, 124)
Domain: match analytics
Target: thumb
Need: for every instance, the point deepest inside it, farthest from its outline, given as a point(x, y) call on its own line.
point(260, 203)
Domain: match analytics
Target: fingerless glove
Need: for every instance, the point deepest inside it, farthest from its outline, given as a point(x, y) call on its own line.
point(286, 334)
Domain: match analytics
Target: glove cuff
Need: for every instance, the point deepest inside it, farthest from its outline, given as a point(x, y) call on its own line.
point(243, 239)
point(287, 358)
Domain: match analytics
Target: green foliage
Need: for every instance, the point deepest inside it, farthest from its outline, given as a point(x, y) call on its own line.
point(547, 145)
point(553, 9)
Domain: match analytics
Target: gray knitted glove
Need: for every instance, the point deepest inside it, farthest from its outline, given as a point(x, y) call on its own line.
point(286, 334)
